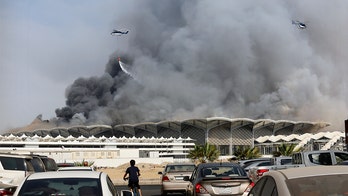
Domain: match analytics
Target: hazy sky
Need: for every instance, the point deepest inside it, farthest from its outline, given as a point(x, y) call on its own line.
point(45, 46)
point(190, 59)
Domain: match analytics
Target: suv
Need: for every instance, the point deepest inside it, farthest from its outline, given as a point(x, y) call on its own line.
point(50, 164)
point(14, 168)
point(43, 163)
point(38, 164)
point(173, 177)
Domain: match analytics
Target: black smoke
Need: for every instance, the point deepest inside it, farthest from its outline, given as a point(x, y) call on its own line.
point(197, 59)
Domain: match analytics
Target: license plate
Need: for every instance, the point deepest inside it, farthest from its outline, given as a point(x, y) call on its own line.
point(225, 190)
point(179, 177)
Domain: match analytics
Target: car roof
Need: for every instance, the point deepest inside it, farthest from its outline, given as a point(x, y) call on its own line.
point(74, 168)
point(180, 164)
point(321, 151)
point(218, 164)
point(70, 174)
point(15, 155)
point(299, 172)
point(257, 163)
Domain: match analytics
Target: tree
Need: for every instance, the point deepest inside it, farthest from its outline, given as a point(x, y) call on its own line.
point(286, 150)
point(204, 153)
point(247, 153)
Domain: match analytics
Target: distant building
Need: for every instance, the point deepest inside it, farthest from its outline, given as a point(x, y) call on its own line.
point(226, 133)
point(167, 140)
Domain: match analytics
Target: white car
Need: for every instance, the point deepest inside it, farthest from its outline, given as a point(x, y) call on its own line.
point(67, 183)
point(14, 168)
point(173, 177)
point(303, 181)
point(76, 168)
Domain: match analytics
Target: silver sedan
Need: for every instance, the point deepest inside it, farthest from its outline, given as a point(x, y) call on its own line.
point(221, 179)
point(313, 181)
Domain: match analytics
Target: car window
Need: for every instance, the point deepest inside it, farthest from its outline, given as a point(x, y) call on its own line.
point(12, 163)
point(270, 188)
point(37, 164)
point(111, 185)
point(320, 158)
point(221, 171)
point(265, 163)
point(297, 158)
point(194, 174)
point(340, 157)
point(180, 168)
point(61, 186)
point(50, 164)
point(256, 190)
point(28, 165)
point(285, 161)
point(266, 186)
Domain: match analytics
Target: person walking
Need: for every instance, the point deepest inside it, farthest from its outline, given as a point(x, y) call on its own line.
point(133, 176)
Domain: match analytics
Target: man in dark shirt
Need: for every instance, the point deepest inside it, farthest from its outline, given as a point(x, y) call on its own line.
point(133, 173)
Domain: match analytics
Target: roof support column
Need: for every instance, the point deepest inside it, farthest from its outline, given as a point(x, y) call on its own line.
point(231, 141)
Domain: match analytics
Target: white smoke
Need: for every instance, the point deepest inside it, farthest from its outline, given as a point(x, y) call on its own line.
point(126, 69)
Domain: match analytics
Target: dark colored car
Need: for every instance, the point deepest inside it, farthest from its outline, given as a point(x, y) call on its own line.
point(218, 179)
point(43, 163)
point(50, 164)
point(38, 164)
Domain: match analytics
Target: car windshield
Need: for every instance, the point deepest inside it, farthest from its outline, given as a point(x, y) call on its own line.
point(334, 185)
point(180, 168)
point(61, 186)
point(222, 171)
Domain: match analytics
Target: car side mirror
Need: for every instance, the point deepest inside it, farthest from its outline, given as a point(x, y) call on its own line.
point(186, 178)
point(160, 172)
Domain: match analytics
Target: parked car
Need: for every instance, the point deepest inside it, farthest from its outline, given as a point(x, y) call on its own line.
point(257, 164)
point(6, 189)
point(59, 165)
point(247, 162)
point(42, 163)
point(84, 183)
point(319, 157)
point(173, 177)
point(303, 181)
point(218, 179)
point(77, 168)
point(37, 163)
point(14, 168)
point(282, 162)
point(50, 164)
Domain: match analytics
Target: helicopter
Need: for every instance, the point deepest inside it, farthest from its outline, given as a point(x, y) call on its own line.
point(118, 32)
point(299, 24)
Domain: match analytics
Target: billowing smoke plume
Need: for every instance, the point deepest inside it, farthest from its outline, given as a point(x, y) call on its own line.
point(233, 59)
